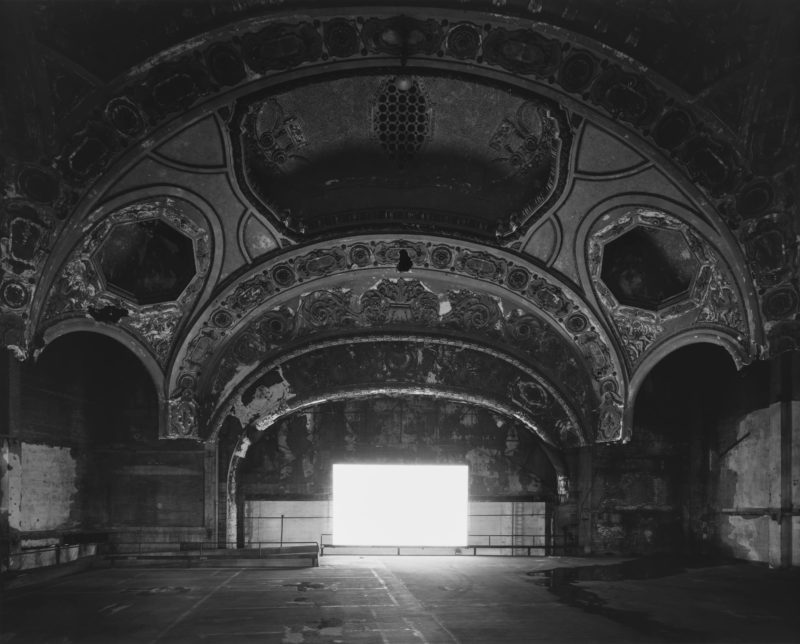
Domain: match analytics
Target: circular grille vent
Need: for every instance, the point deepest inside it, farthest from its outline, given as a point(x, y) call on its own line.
point(401, 118)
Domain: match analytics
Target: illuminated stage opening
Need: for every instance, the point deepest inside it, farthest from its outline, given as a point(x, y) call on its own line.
point(400, 505)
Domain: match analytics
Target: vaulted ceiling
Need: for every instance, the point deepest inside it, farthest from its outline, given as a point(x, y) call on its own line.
point(524, 205)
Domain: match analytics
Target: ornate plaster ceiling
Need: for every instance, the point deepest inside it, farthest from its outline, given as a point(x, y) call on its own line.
point(429, 174)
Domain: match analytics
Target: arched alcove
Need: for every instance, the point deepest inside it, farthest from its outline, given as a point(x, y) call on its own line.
point(91, 457)
point(94, 379)
point(85, 396)
point(670, 487)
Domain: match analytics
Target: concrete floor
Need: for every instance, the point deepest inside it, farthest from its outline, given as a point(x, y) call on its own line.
point(394, 600)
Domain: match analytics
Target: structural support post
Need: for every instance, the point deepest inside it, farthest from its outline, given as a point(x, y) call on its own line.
point(585, 499)
point(10, 459)
point(211, 491)
point(788, 366)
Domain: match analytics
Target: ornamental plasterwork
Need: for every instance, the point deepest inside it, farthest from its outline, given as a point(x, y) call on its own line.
point(410, 305)
point(251, 292)
point(81, 290)
point(362, 364)
point(711, 298)
point(41, 200)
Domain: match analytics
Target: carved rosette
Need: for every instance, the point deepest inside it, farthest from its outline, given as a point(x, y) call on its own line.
point(399, 302)
point(183, 421)
point(711, 298)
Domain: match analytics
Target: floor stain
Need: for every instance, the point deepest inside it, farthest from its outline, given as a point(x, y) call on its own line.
point(303, 586)
point(326, 628)
point(565, 584)
point(158, 590)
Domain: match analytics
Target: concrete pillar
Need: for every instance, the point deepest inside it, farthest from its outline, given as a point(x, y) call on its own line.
point(10, 459)
point(786, 393)
point(585, 477)
point(210, 491)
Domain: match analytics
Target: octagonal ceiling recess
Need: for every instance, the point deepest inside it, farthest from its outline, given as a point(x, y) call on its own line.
point(146, 261)
point(371, 150)
point(649, 267)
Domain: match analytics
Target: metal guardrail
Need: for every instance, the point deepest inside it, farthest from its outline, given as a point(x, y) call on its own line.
point(197, 551)
point(38, 555)
point(141, 547)
point(552, 545)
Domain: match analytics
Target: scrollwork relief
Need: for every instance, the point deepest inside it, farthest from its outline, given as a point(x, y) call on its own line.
point(710, 298)
point(82, 290)
point(183, 416)
point(405, 364)
point(405, 301)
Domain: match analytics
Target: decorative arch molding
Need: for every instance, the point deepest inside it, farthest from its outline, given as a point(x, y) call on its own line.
point(424, 363)
point(582, 74)
point(153, 201)
point(126, 339)
point(245, 439)
point(687, 338)
point(719, 292)
point(573, 67)
point(501, 272)
point(80, 289)
point(370, 304)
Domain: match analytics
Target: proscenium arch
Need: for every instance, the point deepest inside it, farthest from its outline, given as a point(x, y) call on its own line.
point(243, 442)
point(514, 276)
point(265, 415)
point(486, 319)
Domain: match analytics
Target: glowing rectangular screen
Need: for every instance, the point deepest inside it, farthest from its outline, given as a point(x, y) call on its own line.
point(400, 505)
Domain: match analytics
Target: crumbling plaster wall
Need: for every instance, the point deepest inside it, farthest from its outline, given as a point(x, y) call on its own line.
point(636, 494)
point(757, 491)
point(82, 453)
point(712, 466)
point(292, 459)
point(295, 455)
point(652, 494)
point(54, 457)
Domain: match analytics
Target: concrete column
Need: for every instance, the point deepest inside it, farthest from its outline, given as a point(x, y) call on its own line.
point(585, 477)
point(10, 459)
point(786, 387)
point(210, 491)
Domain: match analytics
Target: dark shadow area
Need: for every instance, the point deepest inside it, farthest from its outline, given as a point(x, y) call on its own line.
point(564, 583)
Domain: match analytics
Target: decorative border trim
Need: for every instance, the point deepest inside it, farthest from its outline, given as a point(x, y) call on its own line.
point(254, 291)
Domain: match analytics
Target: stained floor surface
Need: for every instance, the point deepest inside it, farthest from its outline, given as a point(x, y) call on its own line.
point(397, 600)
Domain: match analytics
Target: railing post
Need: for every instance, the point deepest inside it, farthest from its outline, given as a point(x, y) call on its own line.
point(281, 531)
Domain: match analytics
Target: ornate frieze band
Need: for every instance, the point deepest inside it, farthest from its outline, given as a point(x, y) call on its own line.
point(251, 294)
point(386, 365)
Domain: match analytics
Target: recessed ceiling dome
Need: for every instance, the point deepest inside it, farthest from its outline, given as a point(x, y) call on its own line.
point(428, 152)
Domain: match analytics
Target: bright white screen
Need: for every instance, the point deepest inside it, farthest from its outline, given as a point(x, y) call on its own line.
point(400, 505)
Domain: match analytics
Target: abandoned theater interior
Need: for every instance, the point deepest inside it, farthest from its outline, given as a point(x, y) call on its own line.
point(557, 242)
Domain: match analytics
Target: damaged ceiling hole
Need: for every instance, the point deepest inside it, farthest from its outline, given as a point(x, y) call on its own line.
point(405, 263)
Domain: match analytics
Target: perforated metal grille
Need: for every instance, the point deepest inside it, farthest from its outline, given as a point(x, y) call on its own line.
point(401, 118)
